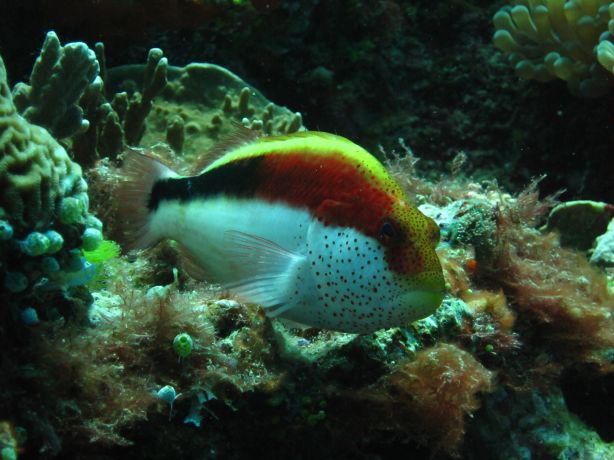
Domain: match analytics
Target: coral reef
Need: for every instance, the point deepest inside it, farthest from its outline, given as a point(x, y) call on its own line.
point(566, 39)
point(99, 111)
point(536, 424)
point(125, 355)
point(44, 219)
point(579, 222)
point(201, 105)
point(603, 252)
point(438, 388)
point(514, 321)
point(59, 78)
point(120, 122)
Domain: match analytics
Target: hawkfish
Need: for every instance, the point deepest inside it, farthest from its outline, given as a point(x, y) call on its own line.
point(310, 226)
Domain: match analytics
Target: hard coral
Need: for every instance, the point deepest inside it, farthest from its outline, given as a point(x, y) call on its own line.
point(44, 212)
point(35, 171)
point(59, 78)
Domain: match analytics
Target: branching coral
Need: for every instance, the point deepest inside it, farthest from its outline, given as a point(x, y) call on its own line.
point(98, 111)
point(548, 39)
point(121, 121)
point(59, 78)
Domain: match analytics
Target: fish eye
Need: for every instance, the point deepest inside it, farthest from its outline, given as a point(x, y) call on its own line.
point(388, 230)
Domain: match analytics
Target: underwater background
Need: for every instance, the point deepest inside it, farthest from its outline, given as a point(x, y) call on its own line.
point(496, 119)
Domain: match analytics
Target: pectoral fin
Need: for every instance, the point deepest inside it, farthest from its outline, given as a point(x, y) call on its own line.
point(266, 273)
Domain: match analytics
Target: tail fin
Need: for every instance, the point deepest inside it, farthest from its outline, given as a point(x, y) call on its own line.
point(140, 172)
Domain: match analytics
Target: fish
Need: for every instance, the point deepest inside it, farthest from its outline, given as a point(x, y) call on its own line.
point(310, 226)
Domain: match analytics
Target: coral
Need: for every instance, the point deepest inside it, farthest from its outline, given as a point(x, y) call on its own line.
point(467, 222)
point(535, 424)
point(209, 100)
point(105, 136)
point(139, 106)
point(9, 446)
point(175, 133)
point(106, 250)
point(59, 78)
point(489, 333)
point(6, 230)
point(519, 306)
point(29, 316)
point(35, 171)
point(154, 103)
point(91, 239)
point(579, 222)
point(43, 207)
point(121, 121)
point(605, 49)
point(130, 356)
point(35, 244)
point(603, 252)
point(552, 39)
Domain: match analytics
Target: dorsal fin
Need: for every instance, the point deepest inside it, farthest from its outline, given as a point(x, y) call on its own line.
point(240, 135)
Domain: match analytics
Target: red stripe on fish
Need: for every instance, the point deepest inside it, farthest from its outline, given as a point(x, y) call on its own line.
point(339, 194)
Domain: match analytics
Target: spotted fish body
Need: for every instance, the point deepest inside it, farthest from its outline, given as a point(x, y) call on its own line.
point(310, 226)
